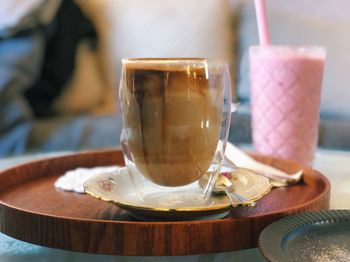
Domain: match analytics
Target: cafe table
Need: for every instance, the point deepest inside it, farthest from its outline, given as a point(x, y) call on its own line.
point(335, 165)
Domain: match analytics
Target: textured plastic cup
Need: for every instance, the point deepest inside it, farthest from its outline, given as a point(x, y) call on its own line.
point(285, 88)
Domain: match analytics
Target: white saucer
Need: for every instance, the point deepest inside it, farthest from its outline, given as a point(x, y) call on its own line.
point(155, 202)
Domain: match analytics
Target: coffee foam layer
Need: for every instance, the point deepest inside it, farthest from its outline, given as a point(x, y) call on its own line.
point(170, 64)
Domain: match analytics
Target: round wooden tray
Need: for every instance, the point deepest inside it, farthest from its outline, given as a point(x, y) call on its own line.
point(33, 210)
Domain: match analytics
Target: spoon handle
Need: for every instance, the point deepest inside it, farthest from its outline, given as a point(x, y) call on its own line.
point(238, 200)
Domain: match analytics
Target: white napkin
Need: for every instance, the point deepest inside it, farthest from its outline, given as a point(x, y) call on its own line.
point(74, 180)
point(240, 159)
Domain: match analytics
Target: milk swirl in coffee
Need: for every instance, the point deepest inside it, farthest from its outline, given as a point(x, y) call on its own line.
point(172, 119)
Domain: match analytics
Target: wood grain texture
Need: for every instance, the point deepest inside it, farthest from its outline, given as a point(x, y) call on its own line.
point(33, 210)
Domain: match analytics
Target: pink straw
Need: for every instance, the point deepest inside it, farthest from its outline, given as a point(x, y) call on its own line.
point(260, 9)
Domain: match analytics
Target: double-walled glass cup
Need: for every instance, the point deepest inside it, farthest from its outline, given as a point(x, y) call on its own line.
point(176, 117)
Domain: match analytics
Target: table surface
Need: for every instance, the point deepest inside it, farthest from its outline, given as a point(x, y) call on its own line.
point(334, 164)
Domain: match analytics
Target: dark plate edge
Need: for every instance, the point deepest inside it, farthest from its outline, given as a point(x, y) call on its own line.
point(269, 242)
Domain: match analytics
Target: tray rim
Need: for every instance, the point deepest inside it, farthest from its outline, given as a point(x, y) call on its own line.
point(324, 194)
point(108, 151)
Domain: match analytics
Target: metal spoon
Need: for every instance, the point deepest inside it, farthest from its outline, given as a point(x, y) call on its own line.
point(225, 184)
point(275, 181)
point(277, 177)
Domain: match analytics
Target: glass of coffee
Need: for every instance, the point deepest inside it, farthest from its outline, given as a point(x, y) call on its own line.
point(176, 117)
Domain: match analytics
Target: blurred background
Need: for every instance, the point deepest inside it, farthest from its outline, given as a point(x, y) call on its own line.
point(60, 62)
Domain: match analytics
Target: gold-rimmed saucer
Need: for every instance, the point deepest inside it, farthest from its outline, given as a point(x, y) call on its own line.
point(155, 202)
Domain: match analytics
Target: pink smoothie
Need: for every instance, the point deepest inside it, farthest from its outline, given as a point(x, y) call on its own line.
point(285, 87)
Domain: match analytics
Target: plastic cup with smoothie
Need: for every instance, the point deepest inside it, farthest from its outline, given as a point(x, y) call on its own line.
point(285, 87)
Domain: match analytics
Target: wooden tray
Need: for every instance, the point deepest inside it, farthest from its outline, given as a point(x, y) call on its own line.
point(33, 210)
